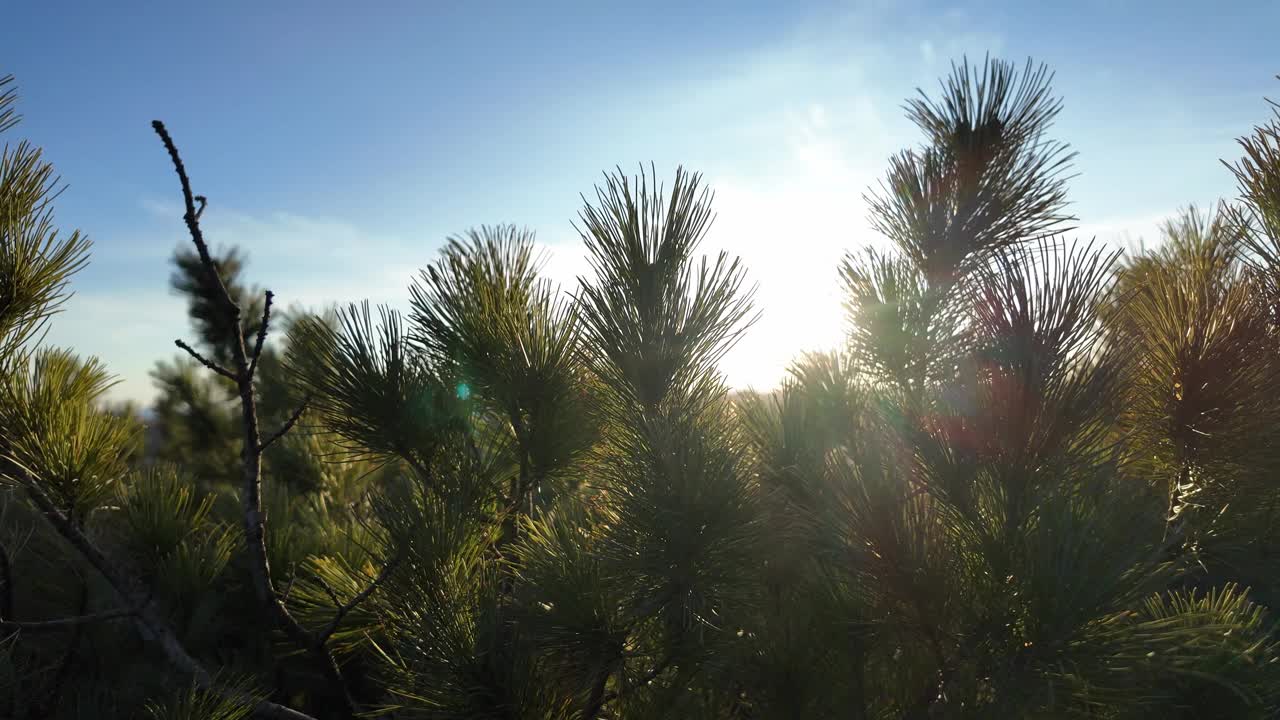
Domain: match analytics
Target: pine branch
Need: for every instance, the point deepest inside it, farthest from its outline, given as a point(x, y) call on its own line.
point(6, 583)
point(67, 622)
point(77, 636)
point(251, 454)
point(597, 699)
point(328, 590)
point(205, 361)
point(601, 698)
point(345, 608)
point(288, 425)
point(262, 333)
point(148, 620)
point(192, 218)
point(288, 589)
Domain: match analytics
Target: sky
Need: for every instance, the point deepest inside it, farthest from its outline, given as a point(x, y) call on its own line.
point(341, 143)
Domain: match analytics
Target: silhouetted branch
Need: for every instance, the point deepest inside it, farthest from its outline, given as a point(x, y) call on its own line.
point(328, 590)
point(600, 698)
point(67, 622)
point(288, 589)
point(262, 333)
point(6, 583)
point(192, 217)
point(647, 678)
point(148, 621)
point(253, 446)
point(205, 361)
point(77, 636)
point(345, 608)
point(288, 425)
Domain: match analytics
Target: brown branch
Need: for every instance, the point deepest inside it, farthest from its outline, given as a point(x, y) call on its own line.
point(251, 452)
point(345, 608)
point(67, 622)
point(262, 333)
point(206, 361)
point(596, 699)
point(146, 618)
point(288, 425)
point(288, 589)
point(647, 678)
point(328, 590)
point(77, 637)
point(6, 609)
point(600, 698)
point(6, 583)
point(192, 217)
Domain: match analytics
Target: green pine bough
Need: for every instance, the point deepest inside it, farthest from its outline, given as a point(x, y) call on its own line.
point(1037, 480)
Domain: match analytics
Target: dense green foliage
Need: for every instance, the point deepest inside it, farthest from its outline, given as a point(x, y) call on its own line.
point(1039, 481)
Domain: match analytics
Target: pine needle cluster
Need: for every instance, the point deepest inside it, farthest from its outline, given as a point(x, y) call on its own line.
point(1037, 481)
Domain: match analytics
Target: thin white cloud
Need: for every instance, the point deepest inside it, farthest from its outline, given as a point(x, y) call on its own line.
point(1125, 233)
point(309, 263)
point(791, 230)
point(127, 330)
point(823, 106)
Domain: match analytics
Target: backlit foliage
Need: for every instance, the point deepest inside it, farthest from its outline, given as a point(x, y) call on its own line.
point(1036, 481)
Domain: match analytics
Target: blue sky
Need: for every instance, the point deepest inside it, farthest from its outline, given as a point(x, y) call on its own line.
point(340, 143)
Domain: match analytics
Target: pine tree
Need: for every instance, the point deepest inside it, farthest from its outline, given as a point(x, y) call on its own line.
point(983, 523)
point(1034, 483)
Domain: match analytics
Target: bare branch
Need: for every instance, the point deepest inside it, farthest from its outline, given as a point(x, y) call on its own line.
point(288, 589)
point(328, 589)
point(206, 362)
point(6, 583)
point(202, 200)
point(645, 679)
point(345, 608)
point(192, 219)
point(262, 333)
point(288, 425)
point(63, 623)
point(601, 698)
point(77, 637)
point(148, 621)
point(255, 531)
